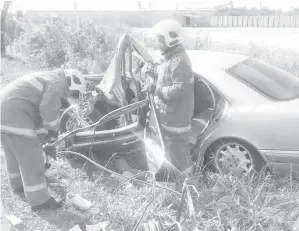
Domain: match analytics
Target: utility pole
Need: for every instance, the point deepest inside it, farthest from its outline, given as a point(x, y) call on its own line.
point(4, 12)
point(75, 5)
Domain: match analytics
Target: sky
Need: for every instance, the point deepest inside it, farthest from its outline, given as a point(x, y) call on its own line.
point(133, 4)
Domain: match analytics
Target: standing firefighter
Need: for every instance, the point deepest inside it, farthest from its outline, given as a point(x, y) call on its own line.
point(174, 92)
point(30, 107)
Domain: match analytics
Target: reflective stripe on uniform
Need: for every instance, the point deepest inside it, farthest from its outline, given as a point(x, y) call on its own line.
point(35, 188)
point(200, 121)
point(18, 131)
point(42, 131)
point(23, 131)
point(52, 123)
point(164, 92)
point(35, 83)
point(191, 80)
point(14, 175)
point(176, 129)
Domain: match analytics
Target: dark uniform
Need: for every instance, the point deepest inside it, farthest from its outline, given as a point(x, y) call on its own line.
point(29, 107)
point(174, 97)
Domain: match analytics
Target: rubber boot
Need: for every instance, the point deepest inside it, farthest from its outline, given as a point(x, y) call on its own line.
point(50, 204)
point(19, 192)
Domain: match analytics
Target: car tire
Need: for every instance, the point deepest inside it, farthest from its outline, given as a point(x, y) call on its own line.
point(242, 152)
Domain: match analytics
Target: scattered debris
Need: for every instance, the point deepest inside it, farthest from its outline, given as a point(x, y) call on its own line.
point(296, 225)
point(122, 165)
point(151, 225)
point(121, 179)
point(98, 227)
point(78, 201)
point(128, 174)
point(75, 228)
point(218, 188)
point(13, 219)
point(13, 223)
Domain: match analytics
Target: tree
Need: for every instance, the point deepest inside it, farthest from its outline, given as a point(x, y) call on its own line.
point(254, 11)
point(4, 12)
point(265, 11)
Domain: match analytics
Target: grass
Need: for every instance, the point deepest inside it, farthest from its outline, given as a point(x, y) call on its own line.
point(12, 68)
point(224, 202)
point(236, 204)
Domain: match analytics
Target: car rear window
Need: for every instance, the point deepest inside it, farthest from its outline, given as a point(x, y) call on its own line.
point(267, 79)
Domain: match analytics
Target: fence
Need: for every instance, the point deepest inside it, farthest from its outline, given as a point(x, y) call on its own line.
point(254, 21)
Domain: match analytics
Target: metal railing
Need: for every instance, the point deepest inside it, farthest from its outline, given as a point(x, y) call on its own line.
point(254, 21)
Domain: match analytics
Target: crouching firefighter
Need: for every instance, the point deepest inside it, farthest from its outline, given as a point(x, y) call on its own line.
point(29, 110)
point(174, 93)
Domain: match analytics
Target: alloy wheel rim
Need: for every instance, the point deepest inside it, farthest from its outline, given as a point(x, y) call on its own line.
point(235, 158)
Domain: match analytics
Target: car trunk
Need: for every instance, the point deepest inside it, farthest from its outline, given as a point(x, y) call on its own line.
point(284, 120)
point(278, 124)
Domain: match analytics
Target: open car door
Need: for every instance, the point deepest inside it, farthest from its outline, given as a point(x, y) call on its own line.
point(121, 68)
point(208, 107)
point(124, 68)
point(122, 75)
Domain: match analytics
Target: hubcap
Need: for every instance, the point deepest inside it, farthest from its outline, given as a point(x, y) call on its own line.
point(233, 158)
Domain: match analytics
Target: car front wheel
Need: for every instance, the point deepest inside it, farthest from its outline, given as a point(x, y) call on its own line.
point(233, 156)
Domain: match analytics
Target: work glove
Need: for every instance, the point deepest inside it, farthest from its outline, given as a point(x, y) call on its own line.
point(49, 150)
point(52, 136)
point(148, 66)
point(148, 87)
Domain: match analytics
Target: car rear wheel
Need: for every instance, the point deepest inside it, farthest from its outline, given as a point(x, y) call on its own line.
point(233, 156)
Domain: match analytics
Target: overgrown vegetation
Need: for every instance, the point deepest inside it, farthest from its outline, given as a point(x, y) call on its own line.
point(223, 202)
point(82, 45)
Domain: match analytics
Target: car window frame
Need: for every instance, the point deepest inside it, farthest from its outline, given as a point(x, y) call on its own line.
point(227, 71)
point(212, 86)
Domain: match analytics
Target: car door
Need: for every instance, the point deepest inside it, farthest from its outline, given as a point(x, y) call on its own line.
point(209, 104)
point(127, 137)
point(204, 107)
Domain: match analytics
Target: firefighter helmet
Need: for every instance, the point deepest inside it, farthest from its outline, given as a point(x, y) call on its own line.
point(170, 29)
point(75, 80)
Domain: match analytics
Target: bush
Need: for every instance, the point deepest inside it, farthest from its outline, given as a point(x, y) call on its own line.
point(82, 45)
point(13, 27)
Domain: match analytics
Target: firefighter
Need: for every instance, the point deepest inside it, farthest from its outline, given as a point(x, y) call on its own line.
point(174, 93)
point(29, 109)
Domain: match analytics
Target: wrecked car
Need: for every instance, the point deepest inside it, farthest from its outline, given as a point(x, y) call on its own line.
point(245, 115)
